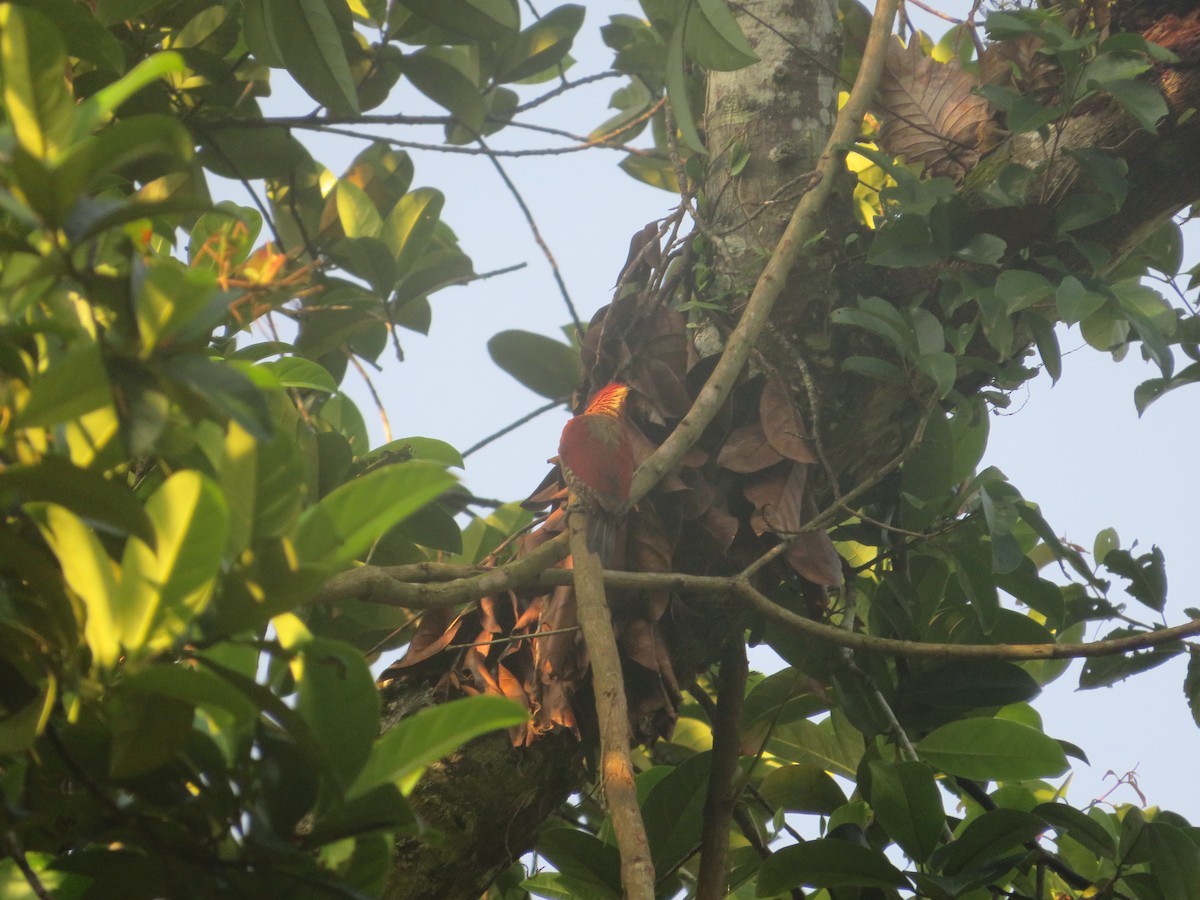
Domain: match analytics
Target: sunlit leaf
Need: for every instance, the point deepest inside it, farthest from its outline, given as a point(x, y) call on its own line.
point(404, 752)
point(343, 525)
point(993, 750)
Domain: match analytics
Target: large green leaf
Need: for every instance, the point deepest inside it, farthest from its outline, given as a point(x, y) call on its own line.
point(540, 46)
point(167, 586)
point(410, 226)
point(37, 102)
point(336, 696)
point(582, 856)
point(908, 804)
point(826, 863)
point(71, 386)
point(542, 364)
point(345, 523)
point(403, 753)
point(102, 502)
point(677, 90)
point(93, 577)
point(306, 36)
point(674, 812)
point(802, 787)
point(950, 688)
point(448, 77)
point(713, 38)
point(993, 750)
point(992, 837)
point(478, 20)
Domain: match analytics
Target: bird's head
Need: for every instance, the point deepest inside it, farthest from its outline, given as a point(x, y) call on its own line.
point(609, 400)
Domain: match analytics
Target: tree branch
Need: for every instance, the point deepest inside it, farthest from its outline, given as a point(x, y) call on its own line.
point(608, 685)
point(712, 883)
point(387, 586)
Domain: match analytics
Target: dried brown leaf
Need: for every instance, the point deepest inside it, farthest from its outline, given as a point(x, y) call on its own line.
point(782, 424)
point(437, 629)
point(720, 525)
point(777, 496)
point(930, 115)
point(1017, 64)
point(747, 450)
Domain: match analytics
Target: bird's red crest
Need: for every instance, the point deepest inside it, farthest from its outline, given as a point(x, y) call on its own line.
point(609, 400)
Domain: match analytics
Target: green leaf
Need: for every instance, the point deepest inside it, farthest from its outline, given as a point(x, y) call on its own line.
point(823, 745)
point(166, 587)
point(1142, 100)
point(357, 213)
point(1147, 575)
point(1103, 671)
point(411, 225)
point(37, 102)
point(478, 20)
point(336, 696)
point(802, 787)
point(713, 39)
point(301, 373)
point(226, 387)
point(677, 90)
point(579, 855)
point(307, 38)
point(1075, 302)
point(826, 863)
point(72, 386)
point(176, 302)
point(100, 106)
point(345, 523)
point(90, 573)
point(381, 809)
point(955, 687)
point(1047, 343)
point(102, 502)
point(444, 75)
point(1019, 289)
point(403, 753)
point(1175, 860)
point(674, 812)
point(903, 242)
point(993, 750)
point(194, 686)
point(540, 46)
point(1191, 686)
point(1066, 819)
point(908, 804)
point(991, 837)
point(544, 365)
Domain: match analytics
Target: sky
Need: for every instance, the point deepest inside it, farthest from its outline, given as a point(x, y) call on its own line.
point(1077, 448)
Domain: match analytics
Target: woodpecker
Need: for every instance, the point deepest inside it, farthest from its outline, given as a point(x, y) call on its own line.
point(595, 454)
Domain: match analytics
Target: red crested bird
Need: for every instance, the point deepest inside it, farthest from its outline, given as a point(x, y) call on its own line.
point(596, 457)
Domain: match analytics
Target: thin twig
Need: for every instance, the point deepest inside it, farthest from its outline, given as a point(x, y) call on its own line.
point(310, 124)
point(712, 882)
point(616, 768)
point(512, 426)
point(770, 283)
point(14, 849)
point(379, 407)
point(537, 235)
